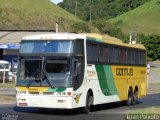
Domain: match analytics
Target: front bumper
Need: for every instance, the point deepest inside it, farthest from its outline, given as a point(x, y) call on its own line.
point(41, 101)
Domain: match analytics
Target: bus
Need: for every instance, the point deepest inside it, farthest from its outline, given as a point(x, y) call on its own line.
point(69, 70)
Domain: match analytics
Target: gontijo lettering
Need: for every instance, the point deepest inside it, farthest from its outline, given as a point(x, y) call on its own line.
point(124, 71)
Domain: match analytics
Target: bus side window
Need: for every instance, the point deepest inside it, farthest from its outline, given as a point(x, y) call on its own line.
point(105, 49)
point(101, 54)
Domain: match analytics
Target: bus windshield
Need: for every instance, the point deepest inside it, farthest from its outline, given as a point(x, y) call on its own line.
point(61, 46)
point(50, 63)
point(45, 72)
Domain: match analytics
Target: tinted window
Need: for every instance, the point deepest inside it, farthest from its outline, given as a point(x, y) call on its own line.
point(92, 52)
point(46, 47)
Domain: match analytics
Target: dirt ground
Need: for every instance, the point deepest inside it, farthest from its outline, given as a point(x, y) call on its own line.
point(7, 99)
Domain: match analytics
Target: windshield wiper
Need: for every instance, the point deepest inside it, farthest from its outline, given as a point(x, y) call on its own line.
point(48, 80)
point(42, 78)
point(41, 75)
point(38, 77)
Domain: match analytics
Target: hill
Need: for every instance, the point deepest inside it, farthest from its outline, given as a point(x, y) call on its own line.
point(145, 19)
point(34, 14)
point(99, 9)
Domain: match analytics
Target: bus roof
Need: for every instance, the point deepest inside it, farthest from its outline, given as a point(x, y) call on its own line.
point(111, 40)
point(92, 36)
point(55, 36)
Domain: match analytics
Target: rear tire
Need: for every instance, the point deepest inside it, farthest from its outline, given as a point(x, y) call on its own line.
point(89, 101)
point(135, 97)
point(130, 98)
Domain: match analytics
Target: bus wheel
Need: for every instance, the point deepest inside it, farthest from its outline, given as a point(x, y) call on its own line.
point(135, 97)
point(130, 97)
point(89, 100)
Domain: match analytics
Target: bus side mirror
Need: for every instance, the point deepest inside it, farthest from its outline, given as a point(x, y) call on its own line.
point(77, 68)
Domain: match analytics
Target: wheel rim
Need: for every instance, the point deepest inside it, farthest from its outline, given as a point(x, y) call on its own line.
point(129, 98)
point(135, 96)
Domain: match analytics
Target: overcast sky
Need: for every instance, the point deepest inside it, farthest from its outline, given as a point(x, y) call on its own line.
point(56, 1)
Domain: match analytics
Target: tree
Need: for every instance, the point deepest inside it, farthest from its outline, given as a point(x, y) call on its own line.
point(100, 8)
point(152, 44)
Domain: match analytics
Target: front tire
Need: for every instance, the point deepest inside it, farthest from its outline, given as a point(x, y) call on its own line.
point(89, 100)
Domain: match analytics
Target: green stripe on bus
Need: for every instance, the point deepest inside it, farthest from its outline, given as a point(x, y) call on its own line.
point(56, 89)
point(110, 80)
point(106, 79)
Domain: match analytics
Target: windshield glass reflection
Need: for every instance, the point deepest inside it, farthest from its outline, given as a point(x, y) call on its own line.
point(57, 72)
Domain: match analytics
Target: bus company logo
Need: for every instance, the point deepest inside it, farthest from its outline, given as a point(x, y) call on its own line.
point(91, 73)
point(124, 71)
point(77, 98)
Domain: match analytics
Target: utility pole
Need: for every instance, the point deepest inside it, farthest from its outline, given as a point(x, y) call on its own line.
point(56, 27)
point(76, 9)
point(90, 14)
point(130, 37)
point(133, 37)
point(4, 73)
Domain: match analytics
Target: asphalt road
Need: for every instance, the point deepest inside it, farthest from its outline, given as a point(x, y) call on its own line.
point(113, 111)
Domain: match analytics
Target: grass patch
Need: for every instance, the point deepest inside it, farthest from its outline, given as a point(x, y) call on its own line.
point(153, 88)
point(34, 14)
point(151, 110)
point(7, 85)
point(7, 99)
point(151, 113)
point(145, 19)
point(156, 69)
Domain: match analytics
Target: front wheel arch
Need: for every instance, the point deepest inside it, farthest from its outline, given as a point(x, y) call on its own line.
point(91, 94)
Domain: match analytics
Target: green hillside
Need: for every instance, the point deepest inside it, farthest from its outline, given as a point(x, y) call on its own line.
point(34, 14)
point(145, 19)
point(99, 9)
